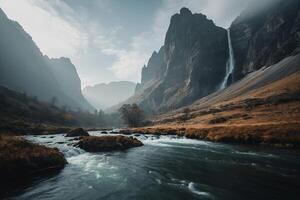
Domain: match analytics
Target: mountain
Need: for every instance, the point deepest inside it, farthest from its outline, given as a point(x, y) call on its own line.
point(261, 101)
point(23, 68)
point(103, 95)
point(265, 37)
point(191, 64)
point(262, 108)
point(66, 75)
point(194, 60)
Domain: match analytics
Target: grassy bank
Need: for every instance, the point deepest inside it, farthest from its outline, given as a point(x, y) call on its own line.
point(267, 115)
point(21, 160)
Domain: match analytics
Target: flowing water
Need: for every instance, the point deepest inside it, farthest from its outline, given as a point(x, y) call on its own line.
point(168, 167)
point(230, 62)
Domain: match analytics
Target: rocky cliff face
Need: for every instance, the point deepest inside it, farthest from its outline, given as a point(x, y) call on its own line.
point(23, 68)
point(190, 65)
point(155, 68)
point(265, 37)
point(195, 53)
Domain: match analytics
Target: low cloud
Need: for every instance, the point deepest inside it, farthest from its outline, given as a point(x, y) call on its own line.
point(54, 35)
point(128, 62)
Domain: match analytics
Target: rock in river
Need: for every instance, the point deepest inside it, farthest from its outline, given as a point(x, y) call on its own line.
point(108, 143)
point(77, 132)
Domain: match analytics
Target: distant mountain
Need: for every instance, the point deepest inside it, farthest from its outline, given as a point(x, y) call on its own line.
point(102, 96)
point(23, 68)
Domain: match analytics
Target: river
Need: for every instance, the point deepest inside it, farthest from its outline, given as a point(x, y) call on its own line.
point(168, 167)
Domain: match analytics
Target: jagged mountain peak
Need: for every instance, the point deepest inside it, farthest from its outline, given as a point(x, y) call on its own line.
point(185, 16)
point(185, 11)
point(190, 64)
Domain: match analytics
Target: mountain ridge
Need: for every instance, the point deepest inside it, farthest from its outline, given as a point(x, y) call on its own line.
point(104, 95)
point(24, 68)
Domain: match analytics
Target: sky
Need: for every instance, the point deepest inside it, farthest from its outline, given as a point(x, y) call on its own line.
point(108, 40)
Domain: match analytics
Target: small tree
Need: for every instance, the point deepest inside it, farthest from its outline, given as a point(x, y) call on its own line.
point(132, 115)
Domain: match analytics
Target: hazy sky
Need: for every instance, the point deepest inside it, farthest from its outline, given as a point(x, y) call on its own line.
point(108, 40)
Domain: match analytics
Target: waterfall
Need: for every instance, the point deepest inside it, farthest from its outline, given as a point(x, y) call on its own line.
point(230, 62)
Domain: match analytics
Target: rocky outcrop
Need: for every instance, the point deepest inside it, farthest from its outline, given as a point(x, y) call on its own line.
point(153, 71)
point(108, 143)
point(191, 64)
point(20, 159)
point(24, 68)
point(77, 132)
point(265, 36)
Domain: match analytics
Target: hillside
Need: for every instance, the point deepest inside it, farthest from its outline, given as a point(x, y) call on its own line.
point(264, 107)
point(25, 69)
point(23, 114)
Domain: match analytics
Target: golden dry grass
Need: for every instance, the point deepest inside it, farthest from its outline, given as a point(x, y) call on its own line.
point(270, 114)
point(20, 158)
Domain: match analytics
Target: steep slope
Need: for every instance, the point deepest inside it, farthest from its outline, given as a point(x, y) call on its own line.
point(263, 103)
point(242, 89)
point(263, 107)
point(153, 71)
point(265, 36)
point(25, 69)
point(103, 95)
point(23, 114)
point(66, 75)
point(190, 65)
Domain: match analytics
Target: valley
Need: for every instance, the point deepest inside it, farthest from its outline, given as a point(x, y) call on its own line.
point(212, 113)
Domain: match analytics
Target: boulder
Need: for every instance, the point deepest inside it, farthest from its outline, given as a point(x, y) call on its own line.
point(125, 132)
point(107, 143)
point(77, 132)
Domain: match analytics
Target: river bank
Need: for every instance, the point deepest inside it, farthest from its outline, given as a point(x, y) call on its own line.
point(269, 115)
point(22, 160)
point(277, 135)
point(168, 167)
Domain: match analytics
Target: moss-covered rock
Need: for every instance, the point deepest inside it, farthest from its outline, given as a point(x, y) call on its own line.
point(77, 132)
point(107, 143)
